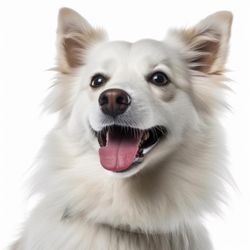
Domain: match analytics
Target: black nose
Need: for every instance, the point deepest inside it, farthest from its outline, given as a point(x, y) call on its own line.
point(114, 102)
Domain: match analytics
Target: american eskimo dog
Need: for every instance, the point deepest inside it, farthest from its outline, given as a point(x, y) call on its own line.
point(137, 156)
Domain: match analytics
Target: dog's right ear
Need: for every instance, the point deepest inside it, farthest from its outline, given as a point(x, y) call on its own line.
point(74, 36)
point(206, 43)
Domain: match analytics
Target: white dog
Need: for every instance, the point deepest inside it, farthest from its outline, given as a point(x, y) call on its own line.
point(137, 156)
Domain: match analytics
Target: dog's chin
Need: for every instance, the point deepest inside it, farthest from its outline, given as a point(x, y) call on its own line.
point(123, 149)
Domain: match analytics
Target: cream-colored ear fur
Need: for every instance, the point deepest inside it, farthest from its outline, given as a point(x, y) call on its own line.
point(74, 36)
point(207, 43)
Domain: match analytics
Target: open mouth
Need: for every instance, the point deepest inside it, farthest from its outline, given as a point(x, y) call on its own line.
point(122, 148)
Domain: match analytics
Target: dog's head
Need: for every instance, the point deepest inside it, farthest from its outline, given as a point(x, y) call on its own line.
point(134, 103)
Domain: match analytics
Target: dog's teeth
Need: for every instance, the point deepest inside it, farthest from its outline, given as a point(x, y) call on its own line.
point(107, 135)
point(146, 136)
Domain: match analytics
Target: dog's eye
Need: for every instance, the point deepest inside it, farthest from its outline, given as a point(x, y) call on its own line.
point(98, 80)
point(159, 78)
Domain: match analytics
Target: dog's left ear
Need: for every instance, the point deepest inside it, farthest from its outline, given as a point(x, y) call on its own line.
point(207, 43)
point(74, 36)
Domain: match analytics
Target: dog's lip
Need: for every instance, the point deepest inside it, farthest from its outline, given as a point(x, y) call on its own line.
point(154, 133)
point(148, 140)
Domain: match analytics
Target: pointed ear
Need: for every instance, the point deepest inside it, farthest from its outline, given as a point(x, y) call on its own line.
point(74, 36)
point(207, 43)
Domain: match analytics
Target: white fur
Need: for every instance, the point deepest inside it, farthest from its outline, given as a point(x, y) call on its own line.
point(158, 205)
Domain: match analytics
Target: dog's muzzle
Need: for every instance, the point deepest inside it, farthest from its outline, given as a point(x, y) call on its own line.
point(123, 147)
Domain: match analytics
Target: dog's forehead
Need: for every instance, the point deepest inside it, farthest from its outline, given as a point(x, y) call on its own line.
point(130, 52)
point(147, 47)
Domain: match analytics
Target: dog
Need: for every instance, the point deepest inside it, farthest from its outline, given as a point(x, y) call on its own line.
point(137, 157)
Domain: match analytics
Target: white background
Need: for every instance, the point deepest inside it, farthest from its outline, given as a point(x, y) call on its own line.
point(27, 37)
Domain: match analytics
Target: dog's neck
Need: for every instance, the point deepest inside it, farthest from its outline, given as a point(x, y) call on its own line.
point(126, 229)
point(183, 238)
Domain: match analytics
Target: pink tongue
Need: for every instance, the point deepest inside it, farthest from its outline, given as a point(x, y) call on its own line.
point(120, 151)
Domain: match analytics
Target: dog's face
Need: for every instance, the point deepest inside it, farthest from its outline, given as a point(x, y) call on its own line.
point(136, 102)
